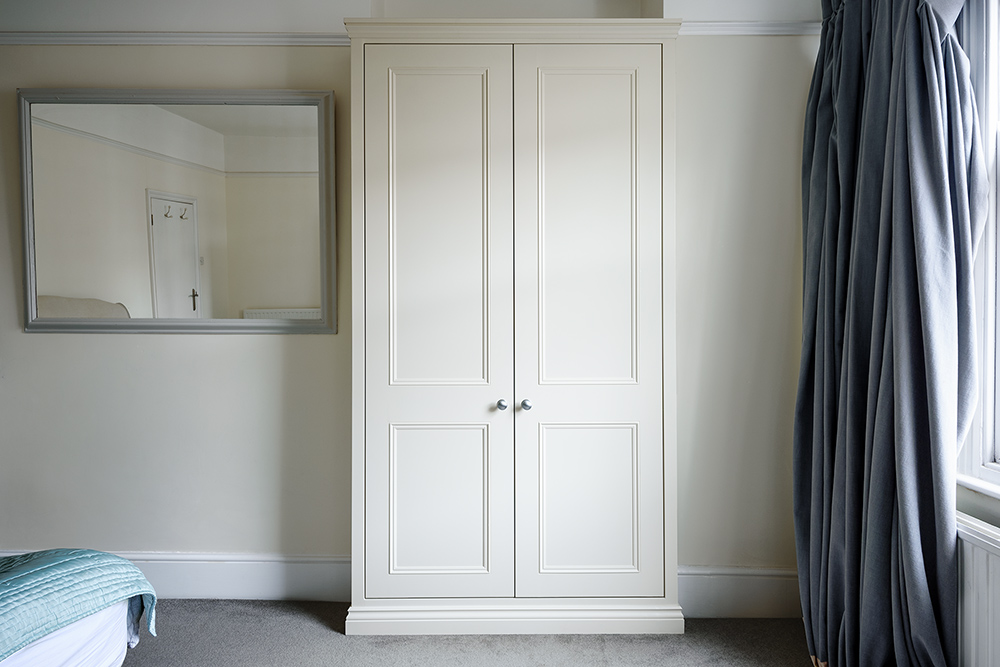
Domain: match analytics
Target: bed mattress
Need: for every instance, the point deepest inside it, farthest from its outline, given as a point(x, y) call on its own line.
point(98, 640)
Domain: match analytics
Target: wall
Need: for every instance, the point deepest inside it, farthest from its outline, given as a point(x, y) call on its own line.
point(174, 443)
point(219, 444)
point(741, 104)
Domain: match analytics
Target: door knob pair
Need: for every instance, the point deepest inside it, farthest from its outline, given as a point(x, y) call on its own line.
point(502, 404)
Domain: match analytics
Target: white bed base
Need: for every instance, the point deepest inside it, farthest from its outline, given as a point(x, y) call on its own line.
point(98, 640)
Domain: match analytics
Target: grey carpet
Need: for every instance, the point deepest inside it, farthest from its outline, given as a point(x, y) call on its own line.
point(230, 633)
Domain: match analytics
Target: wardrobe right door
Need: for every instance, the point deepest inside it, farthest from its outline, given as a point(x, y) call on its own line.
point(588, 325)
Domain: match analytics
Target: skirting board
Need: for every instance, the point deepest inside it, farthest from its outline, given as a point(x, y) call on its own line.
point(242, 576)
point(738, 592)
point(704, 592)
point(246, 577)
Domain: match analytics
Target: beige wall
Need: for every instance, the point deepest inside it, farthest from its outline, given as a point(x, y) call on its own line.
point(241, 443)
point(171, 442)
point(741, 102)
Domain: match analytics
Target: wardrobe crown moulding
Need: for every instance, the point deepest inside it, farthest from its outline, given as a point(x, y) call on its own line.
point(519, 31)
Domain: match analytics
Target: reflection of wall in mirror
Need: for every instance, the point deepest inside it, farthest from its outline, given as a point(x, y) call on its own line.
point(87, 243)
point(272, 195)
point(258, 221)
point(91, 239)
point(273, 238)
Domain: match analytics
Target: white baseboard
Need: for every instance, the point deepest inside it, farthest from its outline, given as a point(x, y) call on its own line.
point(704, 592)
point(246, 577)
point(242, 576)
point(738, 592)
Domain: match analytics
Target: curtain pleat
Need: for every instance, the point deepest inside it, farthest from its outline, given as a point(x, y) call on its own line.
point(894, 195)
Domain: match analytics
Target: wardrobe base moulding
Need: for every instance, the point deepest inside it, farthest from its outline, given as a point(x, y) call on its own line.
point(610, 617)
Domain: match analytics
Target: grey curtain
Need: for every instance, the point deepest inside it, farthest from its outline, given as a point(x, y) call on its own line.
point(894, 201)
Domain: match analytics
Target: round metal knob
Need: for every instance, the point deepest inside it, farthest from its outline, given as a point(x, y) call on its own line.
point(525, 404)
point(501, 404)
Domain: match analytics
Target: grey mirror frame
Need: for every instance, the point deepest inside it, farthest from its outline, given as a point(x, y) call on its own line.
point(322, 100)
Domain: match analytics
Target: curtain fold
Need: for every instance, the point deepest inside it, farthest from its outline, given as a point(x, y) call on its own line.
point(894, 201)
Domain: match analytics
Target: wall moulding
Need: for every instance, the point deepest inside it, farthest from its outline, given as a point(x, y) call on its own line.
point(686, 29)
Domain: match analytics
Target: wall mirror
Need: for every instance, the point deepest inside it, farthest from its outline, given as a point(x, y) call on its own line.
point(178, 211)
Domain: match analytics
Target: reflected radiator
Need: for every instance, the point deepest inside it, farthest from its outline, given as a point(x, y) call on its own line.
point(281, 314)
point(979, 592)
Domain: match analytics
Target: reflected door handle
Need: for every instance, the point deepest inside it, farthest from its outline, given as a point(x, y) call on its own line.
point(525, 404)
point(501, 404)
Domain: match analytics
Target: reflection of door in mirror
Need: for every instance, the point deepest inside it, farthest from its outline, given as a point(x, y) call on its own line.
point(173, 264)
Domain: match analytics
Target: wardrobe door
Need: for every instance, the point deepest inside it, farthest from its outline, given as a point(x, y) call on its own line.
point(438, 321)
point(589, 463)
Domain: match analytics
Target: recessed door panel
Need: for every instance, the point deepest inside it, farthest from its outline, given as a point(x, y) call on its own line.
point(588, 498)
point(438, 224)
point(438, 321)
point(439, 498)
point(587, 171)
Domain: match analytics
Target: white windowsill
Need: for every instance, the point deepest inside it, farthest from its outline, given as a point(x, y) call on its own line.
point(979, 486)
point(979, 499)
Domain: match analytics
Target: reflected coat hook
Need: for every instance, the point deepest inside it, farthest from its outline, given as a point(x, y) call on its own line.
point(184, 213)
point(167, 214)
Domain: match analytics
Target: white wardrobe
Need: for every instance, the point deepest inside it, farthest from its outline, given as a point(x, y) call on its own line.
point(513, 325)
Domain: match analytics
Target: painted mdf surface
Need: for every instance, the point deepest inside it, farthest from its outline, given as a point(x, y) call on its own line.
point(439, 460)
point(242, 443)
point(589, 456)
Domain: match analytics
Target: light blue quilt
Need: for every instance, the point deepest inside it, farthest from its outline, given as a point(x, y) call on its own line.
point(45, 590)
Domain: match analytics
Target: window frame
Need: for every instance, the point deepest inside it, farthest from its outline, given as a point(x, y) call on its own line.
point(979, 457)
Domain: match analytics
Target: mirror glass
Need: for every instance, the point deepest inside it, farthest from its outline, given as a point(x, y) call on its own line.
point(178, 210)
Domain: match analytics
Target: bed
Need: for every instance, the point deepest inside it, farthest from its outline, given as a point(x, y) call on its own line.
point(71, 608)
point(63, 306)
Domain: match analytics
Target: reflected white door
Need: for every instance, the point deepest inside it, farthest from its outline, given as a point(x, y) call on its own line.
point(589, 472)
point(439, 321)
point(173, 240)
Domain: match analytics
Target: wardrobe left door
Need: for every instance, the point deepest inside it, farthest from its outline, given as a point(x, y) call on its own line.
point(439, 456)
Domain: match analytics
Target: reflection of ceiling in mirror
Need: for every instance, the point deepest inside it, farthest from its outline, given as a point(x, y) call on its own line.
point(250, 121)
point(225, 139)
